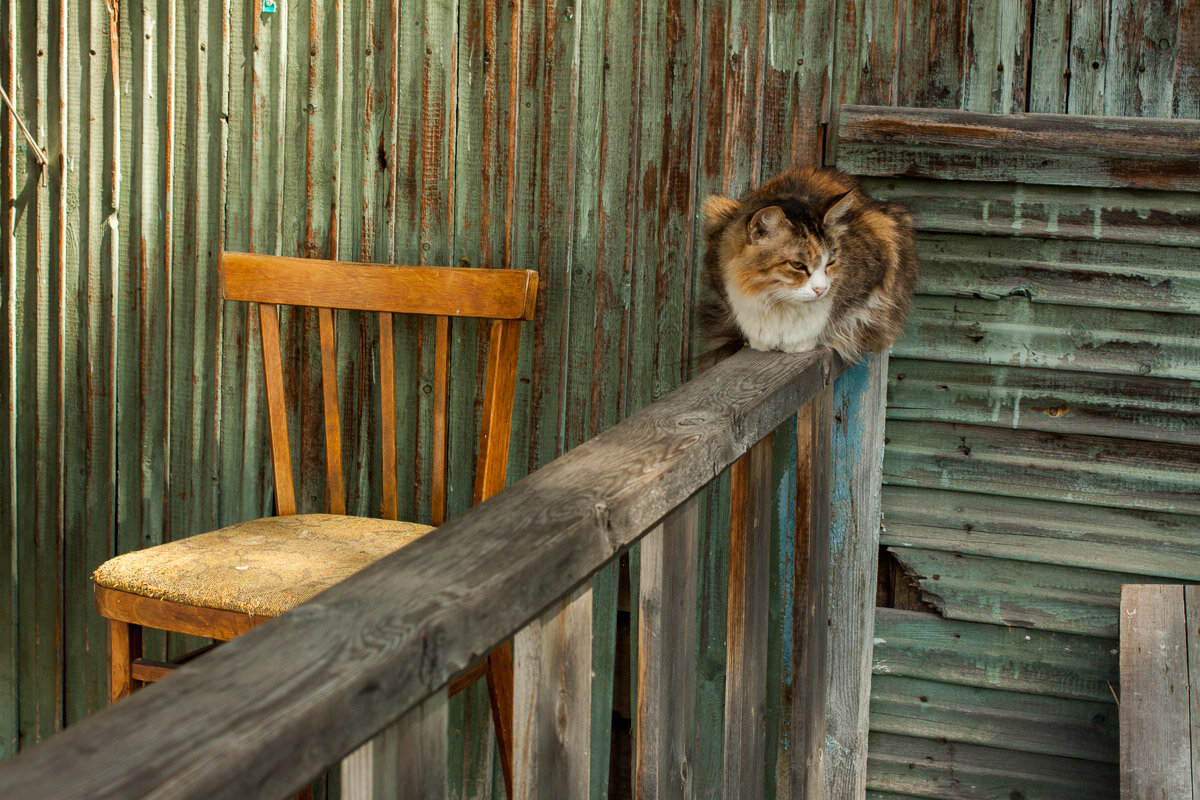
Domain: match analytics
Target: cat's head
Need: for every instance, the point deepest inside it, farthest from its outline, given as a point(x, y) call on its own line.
point(784, 251)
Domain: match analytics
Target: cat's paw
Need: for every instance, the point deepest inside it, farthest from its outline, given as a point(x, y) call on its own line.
point(798, 347)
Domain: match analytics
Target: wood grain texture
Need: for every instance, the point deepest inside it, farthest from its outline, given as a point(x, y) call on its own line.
point(285, 496)
point(1053, 401)
point(959, 771)
point(1156, 727)
point(1097, 471)
point(1022, 723)
point(814, 454)
point(552, 702)
point(858, 415)
point(407, 759)
point(392, 646)
point(335, 491)
point(1045, 663)
point(663, 761)
point(1116, 539)
point(449, 291)
point(746, 621)
point(1015, 593)
point(1025, 148)
point(1191, 602)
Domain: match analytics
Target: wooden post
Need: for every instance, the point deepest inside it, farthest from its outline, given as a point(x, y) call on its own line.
point(814, 458)
point(552, 702)
point(838, 612)
point(1156, 727)
point(747, 622)
point(667, 658)
point(408, 759)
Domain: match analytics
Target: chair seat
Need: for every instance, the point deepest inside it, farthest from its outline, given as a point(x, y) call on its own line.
point(263, 567)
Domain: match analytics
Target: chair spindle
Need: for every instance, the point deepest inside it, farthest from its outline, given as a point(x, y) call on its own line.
point(387, 404)
point(285, 496)
point(335, 491)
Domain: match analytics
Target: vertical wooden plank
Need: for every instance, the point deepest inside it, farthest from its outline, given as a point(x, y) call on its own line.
point(931, 51)
point(273, 369)
point(781, 673)
point(667, 658)
point(1049, 67)
point(814, 467)
point(1142, 52)
point(1156, 728)
point(996, 62)
point(1185, 89)
point(1088, 49)
point(408, 759)
point(858, 416)
point(1191, 603)
point(441, 398)
point(746, 620)
point(387, 405)
point(552, 702)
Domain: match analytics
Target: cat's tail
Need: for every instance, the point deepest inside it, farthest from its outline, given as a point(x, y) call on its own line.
point(722, 337)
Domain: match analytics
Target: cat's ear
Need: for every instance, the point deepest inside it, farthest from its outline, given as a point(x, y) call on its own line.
point(765, 222)
point(836, 208)
point(718, 210)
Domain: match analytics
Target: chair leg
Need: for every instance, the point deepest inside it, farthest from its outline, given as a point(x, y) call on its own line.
point(500, 692)
point(124, 645)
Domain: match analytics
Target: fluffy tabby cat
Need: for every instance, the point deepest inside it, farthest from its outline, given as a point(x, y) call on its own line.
point(807, 260)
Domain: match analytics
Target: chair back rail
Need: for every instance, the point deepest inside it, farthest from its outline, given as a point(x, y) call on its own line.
point(505, 296)
point(365, 662)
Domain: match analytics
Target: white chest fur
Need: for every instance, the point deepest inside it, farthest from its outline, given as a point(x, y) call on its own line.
point(792, 327)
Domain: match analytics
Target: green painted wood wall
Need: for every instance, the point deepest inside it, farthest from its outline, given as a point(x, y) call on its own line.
point(572, 137)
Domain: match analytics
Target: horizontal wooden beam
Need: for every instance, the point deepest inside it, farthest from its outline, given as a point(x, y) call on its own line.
point(1022, 148)
point(442, 291)
point(266, 712)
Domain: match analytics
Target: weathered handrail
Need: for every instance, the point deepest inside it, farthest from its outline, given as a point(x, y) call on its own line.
point(268, 711)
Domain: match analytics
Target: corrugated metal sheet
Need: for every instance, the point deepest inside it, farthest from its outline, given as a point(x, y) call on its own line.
point(575, 138)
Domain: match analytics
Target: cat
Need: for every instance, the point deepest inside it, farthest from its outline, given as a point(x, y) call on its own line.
point(808, 260)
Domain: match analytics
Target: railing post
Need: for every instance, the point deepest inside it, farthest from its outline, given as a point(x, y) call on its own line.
point(663, 761)
point(836, 616)
point(408, 759)
point(552, 702)
point(747, 622)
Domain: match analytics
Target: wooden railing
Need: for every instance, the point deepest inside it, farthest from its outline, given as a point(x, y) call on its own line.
point(368, 661)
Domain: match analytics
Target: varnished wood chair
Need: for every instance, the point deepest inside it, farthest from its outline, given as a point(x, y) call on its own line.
point(221, 584)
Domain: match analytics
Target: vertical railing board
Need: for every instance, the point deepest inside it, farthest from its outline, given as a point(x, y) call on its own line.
point(9, 618)
point(814, 456)
point(746, 621)
point(858, 414)
point(781, 612)
point(552, 702)
point(664, 754)
point(407, 759)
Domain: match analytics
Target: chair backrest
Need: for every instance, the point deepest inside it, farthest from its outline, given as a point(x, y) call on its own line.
point(505, 296)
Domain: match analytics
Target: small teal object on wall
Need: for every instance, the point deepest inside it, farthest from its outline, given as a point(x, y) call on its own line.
point(268, 6)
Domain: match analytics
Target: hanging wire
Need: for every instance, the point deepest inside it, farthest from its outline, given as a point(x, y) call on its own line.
point(37, 151)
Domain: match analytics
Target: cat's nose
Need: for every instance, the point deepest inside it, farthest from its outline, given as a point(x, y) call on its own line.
point(818, 290)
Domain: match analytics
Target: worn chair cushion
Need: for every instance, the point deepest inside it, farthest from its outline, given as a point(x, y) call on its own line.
point(263, 567)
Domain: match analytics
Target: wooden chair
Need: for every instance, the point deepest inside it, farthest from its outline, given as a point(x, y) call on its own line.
point(221, 584)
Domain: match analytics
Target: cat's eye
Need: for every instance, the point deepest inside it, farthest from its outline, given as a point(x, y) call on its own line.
point(796, 265)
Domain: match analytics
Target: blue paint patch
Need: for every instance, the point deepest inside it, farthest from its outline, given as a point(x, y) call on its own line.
point(849, 392)
point(785, 498)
